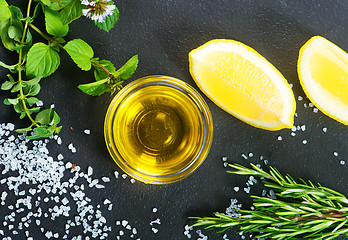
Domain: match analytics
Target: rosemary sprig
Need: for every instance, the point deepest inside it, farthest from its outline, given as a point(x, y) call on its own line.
point(302, 210)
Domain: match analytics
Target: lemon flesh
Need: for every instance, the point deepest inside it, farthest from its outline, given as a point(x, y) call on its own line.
point(323, 73)
point(243, 83)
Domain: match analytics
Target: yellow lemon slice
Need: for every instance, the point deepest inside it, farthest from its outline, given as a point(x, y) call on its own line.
point(323, 72)
point(243, 83)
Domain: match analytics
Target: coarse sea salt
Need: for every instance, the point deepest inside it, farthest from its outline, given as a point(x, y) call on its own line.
point(37, 180)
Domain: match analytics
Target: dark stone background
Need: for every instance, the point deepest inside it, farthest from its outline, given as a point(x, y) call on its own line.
point(162, 33)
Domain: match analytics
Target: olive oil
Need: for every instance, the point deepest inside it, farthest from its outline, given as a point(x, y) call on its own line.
point(158, 130)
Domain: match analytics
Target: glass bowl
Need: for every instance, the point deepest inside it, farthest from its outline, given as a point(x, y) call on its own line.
point(158, 129)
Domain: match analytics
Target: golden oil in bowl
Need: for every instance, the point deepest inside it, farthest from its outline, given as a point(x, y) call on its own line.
point(158, 129)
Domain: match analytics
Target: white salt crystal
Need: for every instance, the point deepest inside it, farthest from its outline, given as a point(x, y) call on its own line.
point(124, 176)
point(280, 138)
point(224, 159)
point(154, 210)
point(342, 162)
point(244, 156)
point(325, 129)
point(155, 230)
point(60, 157)
point(116, 174)
point(89, 171)
point(236, 189)
point(87, 131)
point(335, 154)
point(106, 179)
point(304, 141)
point(132, 180)
point(39, 103)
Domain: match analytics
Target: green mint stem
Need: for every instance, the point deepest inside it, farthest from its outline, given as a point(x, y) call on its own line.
point(22, 97)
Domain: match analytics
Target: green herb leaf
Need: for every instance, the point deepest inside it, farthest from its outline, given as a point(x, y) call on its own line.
point(99, 72)
point(14, 33)
point(34, 81)
point(12, 101)
point(16, 87)
point(95, 88)
point(14, 20)
point(128, 68)
point(32, 100)
point(42, 61)
point(37, 10)
point(7, 85)
point(5, 12)
point(31, 90)
point(56, 118)
point(54, 25)
point(80, 52)
point(109, 21)
point(71, 12)
point(23, 130)
point(44, 117)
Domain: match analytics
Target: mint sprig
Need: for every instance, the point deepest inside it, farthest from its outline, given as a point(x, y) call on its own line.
point(41, 59)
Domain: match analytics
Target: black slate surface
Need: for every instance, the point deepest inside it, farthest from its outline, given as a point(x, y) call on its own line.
point(162, 33)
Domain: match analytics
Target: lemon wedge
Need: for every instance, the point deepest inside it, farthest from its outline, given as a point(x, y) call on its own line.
point(323, 72)
point(243, 83)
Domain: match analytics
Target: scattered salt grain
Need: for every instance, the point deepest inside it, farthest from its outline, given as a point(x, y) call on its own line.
point(124, 223)
point(310, 104)
point(335, 154)
point(89, 171)
point(300, 98)
point(315, 110)
point(124, 176)
point(251, 154)
point(106, 179)
point(116, 174)
point(60, 157)
point(154, 210)
point(155, 230)
point(132, 180)
point(304, 141)
point(280, 138)
point(236, 189)
point(224, 159)
point(87, 131)
point(342, 162)
point(324, 129)
point(39, 103)
point(244, 156)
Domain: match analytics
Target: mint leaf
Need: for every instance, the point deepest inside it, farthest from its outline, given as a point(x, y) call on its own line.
point(95, 88)
point(45, 117)
point(7, 85)
point(5, 12)
point(54, 25)
point(42, 61)
point(14, 20)
point(15, 33)
point(23, 130)
point(128, 68)
point(59, 4)
point(99, 73)
point(32, 90)
point(71, 12)
point(32, 100)
point(80, 52)
point(109, 21)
